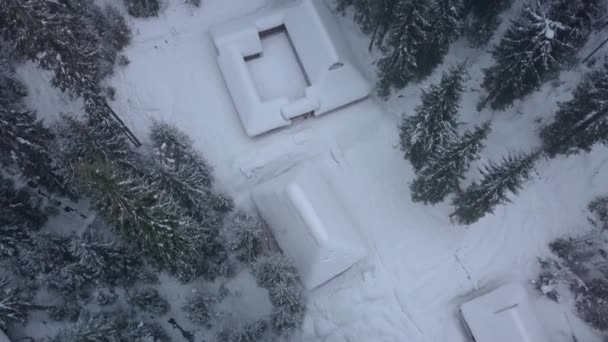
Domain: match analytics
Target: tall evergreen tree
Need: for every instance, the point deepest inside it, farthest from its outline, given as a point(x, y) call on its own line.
point(578, 15)
point(532, 51)
point(58, 37)
point(14, 305)
point(79, 142)
point(484, 19)
point(434, 124)
point(24, 141)
point(446, 167)
point(143, 216)
point(498, 180)
point(408, 40)
point(583, 121)
point(143, 8)
point(183, 174)
point(374, 16)
point(447, 18)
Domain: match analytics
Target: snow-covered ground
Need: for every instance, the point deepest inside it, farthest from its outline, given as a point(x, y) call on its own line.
point(421, 266)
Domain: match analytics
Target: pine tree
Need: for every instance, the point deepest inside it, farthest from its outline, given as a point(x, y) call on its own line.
point(199, 308)
point(374, 16)
point(447, 16)
point(184, 175)
point(243, 333)
point(434, 124)
point(446, 167)
point(149, 300)
point(100, 326)
point(583, 121)
point(84, 142)
point(248, 237)
point(532, 51)
point(24, 140)
point(498, 180)
point(484, 19)
point(143, 8)
point(18, 208)
point(408, 39)
point(14, 306)
point(275, 273)
point(578, 15)
point(143, 216)
point(58, 37)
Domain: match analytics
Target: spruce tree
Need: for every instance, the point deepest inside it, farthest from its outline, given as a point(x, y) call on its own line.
point(446, 167)
point(199, 308)
point(100, 326)
point(583, 121)
point(149, 300)
point(183, 174)
point(447, 17)
point(498, 180)
point(85, 142)
point(58, 36)
point(143, 8)
point(532, 51)
point(578, 15)
point(24, 141)
point(140, 214)
point(14, 306)
point(434, 124)
point(484, 19)
point(408, 41)
point(374, 16)
point(247, 239)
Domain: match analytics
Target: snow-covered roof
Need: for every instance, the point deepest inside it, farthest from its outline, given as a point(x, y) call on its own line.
point(503, 315)
point(320, 49)
point(310, 224)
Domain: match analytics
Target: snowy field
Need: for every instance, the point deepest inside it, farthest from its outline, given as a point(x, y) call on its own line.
point(421, 266)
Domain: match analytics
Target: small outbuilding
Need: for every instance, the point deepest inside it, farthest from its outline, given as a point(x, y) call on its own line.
point(310, 224)
point(320, 49)
point(503, 315)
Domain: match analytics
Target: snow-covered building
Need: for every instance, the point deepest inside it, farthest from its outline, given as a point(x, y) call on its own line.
point(503, 315)
point(320, 49)
point(310, 224)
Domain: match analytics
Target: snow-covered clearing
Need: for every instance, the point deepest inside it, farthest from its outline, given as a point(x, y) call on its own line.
point(420, 266)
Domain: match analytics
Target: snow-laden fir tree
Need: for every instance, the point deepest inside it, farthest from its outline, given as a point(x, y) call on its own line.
point(144, 331)
point(435, 122)
point(447, 17)
point(87, 141)
point(446, 167)
point(18, 208)
point(248, 234)
point(498, 181)
point(24, 141)
point(484, 19)
point(243, 333)
point(59, 36)
point(583, 121)
point(578, 15)
point(181, 172)
point(100, 326)
point(199, 308)
point(275, 273)
point(143, 8)
point(14, 306)
point(374, 16)
point(408, 40)
point(148, 300)
point(145, 218)
point(102, 261)
point(532, 51)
